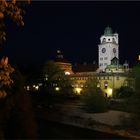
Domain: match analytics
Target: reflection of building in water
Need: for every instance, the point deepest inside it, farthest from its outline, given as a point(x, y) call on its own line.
point(110, 74)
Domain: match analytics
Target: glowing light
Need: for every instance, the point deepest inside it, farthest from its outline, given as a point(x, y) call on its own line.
point(36, 87)
point(98, 85)
point(28, 88)
point(67, 73)
point(139, 58)
point(78, 90)
point(109, 92)
point(57, 88)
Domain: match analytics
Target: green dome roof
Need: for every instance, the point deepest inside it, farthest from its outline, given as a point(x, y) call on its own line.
point(108, 31)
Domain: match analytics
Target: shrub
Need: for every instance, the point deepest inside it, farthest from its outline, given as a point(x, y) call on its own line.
point(95, 102)
point(124, 92)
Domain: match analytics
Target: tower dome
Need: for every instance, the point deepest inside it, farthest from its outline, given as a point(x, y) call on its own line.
point(108, 31)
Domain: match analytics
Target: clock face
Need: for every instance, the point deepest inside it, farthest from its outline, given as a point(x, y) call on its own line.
point(103, 50)
point(114, 50)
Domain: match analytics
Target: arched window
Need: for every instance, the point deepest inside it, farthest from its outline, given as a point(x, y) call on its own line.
point(105, 84)
point(104, 40)
point(114, 40)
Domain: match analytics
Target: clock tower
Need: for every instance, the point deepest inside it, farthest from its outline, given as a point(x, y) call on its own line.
point(108, 48)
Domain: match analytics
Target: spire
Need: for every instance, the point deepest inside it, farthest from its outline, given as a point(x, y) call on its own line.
point(59, 54)
point(108, 31)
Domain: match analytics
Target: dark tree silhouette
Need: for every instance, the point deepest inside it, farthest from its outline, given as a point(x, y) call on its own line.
point(11, 9)
point(17, 118)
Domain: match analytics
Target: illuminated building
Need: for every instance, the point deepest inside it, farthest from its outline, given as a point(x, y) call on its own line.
point(110, 74)
point(108, 48)
point(63, 63)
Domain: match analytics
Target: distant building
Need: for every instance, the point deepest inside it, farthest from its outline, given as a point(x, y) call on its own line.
point(108, 48)
point(110, 74)
point(63, 63)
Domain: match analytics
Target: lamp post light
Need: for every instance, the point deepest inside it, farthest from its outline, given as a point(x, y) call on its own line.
point(98, 85)
point(109, 91)
point(57, 88)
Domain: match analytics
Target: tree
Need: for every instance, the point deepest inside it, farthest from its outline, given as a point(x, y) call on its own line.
point(124, 92)
point(133, 102)
point(16, 119)
point(93, 98)
point(55, 77)
point(13, 10)
point(5, 72)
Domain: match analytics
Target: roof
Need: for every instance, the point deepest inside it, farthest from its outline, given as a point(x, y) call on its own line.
point(63, 60)
point(114, 66)
point(108, 31)
point(85, 68)
point(60, 57)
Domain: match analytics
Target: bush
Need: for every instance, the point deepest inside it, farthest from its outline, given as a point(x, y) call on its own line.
point(124, 92)
point(94, 102)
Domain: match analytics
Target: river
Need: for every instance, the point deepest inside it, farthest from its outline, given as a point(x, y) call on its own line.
point(53, 130)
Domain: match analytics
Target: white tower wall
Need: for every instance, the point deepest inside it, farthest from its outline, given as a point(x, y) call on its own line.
point(107, 49)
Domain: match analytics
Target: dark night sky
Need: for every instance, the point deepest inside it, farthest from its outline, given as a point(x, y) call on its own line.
point(75, 28)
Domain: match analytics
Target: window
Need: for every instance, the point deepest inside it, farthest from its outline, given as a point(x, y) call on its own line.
point(105, 58)
point(101, 58)
point(117, 77)
point(105, 64)
point(105, 84)
point(114, 40)
point(101, 64)
point(104, 39)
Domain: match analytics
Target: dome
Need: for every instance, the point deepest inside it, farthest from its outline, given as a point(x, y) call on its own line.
point(60, 58)
point(108, 31)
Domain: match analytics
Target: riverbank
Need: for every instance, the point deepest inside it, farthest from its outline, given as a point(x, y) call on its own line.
point(55, 130)
point(101, 122)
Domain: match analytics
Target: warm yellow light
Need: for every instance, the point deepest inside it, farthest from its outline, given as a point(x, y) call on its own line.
point(139, 57)
point(67, 73)
point(98, 85)
point(78, 90)
point(57, 88)
point(109, 92)
point(37, 87)
point(28, 87)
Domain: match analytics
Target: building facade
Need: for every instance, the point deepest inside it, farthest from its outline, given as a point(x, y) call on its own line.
point(108, 48)
point(109, 73)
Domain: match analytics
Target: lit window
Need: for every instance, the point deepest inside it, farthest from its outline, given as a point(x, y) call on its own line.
point(67, 73)
point(105, 84)
point(36, 87)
